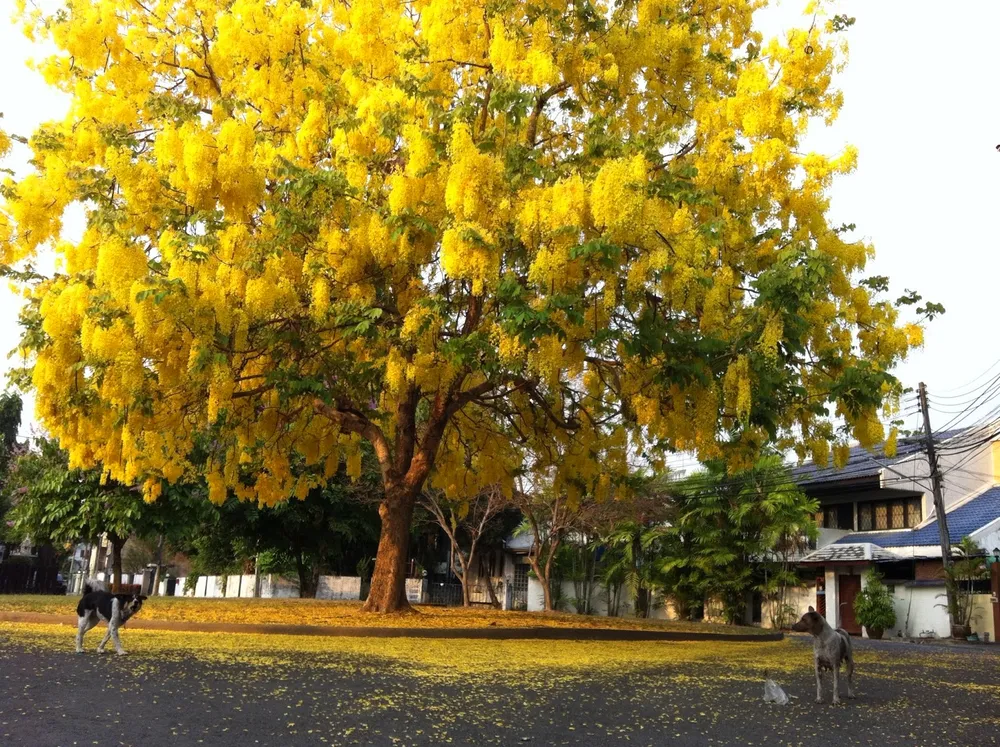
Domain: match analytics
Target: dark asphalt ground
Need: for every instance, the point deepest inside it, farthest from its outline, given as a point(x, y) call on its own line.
point(909, 695)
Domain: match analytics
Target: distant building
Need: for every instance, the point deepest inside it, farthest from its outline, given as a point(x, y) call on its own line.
point(878, 511)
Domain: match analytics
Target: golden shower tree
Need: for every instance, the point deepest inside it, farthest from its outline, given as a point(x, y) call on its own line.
point(475, 235)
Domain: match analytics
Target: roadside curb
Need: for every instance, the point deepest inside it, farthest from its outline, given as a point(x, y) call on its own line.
point(488, 633)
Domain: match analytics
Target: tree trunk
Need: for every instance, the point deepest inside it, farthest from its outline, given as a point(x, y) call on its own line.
point(465, 591)
point(116, 560)
point(388, 586)
point(614, 599)
point(314, 581)
point(591, 573)
point(461, 571)
point(492, 592)
point(681, 606)
point(547, 596)
point(543, 579)
point(308, 577)
point(553, 549)
point(642, 602)
point(466, 566)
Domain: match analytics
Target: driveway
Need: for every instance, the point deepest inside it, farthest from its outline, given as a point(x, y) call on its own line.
point(175, 691)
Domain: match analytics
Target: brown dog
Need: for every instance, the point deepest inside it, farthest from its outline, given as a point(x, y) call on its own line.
point(830, 649)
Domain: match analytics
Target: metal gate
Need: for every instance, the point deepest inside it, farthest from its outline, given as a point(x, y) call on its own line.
point(450, 593)
point(519, 588)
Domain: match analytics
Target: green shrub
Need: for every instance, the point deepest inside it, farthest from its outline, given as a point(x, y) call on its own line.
point(873, 605)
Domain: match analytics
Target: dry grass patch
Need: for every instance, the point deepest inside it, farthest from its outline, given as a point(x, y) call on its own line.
point(349, 614)
point(440, 658)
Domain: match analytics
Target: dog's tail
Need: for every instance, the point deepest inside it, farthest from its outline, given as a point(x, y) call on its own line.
point(93, 584)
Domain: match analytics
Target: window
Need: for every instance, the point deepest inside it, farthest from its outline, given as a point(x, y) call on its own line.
point(865, 517)
point(897, 515)
point(838, 517)
point(829, 518)
point(882, 515)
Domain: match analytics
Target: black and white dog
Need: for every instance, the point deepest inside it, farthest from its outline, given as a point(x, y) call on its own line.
point(114, 609)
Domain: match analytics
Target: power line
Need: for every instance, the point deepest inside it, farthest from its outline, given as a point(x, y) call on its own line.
point(970, 383)
point(986, 396)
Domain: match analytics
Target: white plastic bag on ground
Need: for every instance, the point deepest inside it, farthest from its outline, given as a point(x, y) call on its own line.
point(773, 693)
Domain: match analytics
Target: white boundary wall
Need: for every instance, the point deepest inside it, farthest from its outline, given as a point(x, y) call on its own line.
point(339, 587)
point(276, 587)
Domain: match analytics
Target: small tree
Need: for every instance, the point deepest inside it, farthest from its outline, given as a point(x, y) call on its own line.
point(637, 547)
point(873, 606)
point(967, 567)
point(732, 533)
point(579, 564)
point(464, 523)
point(549, 517)
point(556, 512)
point(58, 505)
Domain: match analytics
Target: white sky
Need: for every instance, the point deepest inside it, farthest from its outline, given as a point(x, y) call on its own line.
point(920, 105)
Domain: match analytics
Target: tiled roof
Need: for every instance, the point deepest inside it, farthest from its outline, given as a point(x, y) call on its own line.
point(520, 542)
point(846, 553)
point(861, 462)
point(962, 521)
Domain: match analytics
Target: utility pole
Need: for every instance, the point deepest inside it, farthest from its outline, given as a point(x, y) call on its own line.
point(942, 518)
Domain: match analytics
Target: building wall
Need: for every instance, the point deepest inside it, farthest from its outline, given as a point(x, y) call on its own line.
point(989, 537)
point(213, 587)
point(799, 599)
point(919, 609)
point(982, 617)
point(920, 612)
point(662, 609)
point(276, 587)
point(240, 586)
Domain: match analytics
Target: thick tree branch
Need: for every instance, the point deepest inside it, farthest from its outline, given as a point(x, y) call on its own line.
point(406, 428)
point(540, 102)
point(353, 422)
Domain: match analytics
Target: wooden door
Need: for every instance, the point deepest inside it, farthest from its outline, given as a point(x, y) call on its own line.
point(847, 589)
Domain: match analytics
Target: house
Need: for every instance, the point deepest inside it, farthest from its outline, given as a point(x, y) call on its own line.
point(878, 511)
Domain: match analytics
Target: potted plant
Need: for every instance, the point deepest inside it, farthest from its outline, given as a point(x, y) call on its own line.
point(873, 606)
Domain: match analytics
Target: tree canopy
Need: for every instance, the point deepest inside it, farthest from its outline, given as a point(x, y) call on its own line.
point(10, 421)
point(53, 503)
point(461, 231)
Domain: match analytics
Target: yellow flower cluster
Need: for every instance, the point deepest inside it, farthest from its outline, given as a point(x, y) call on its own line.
point(618, 196)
